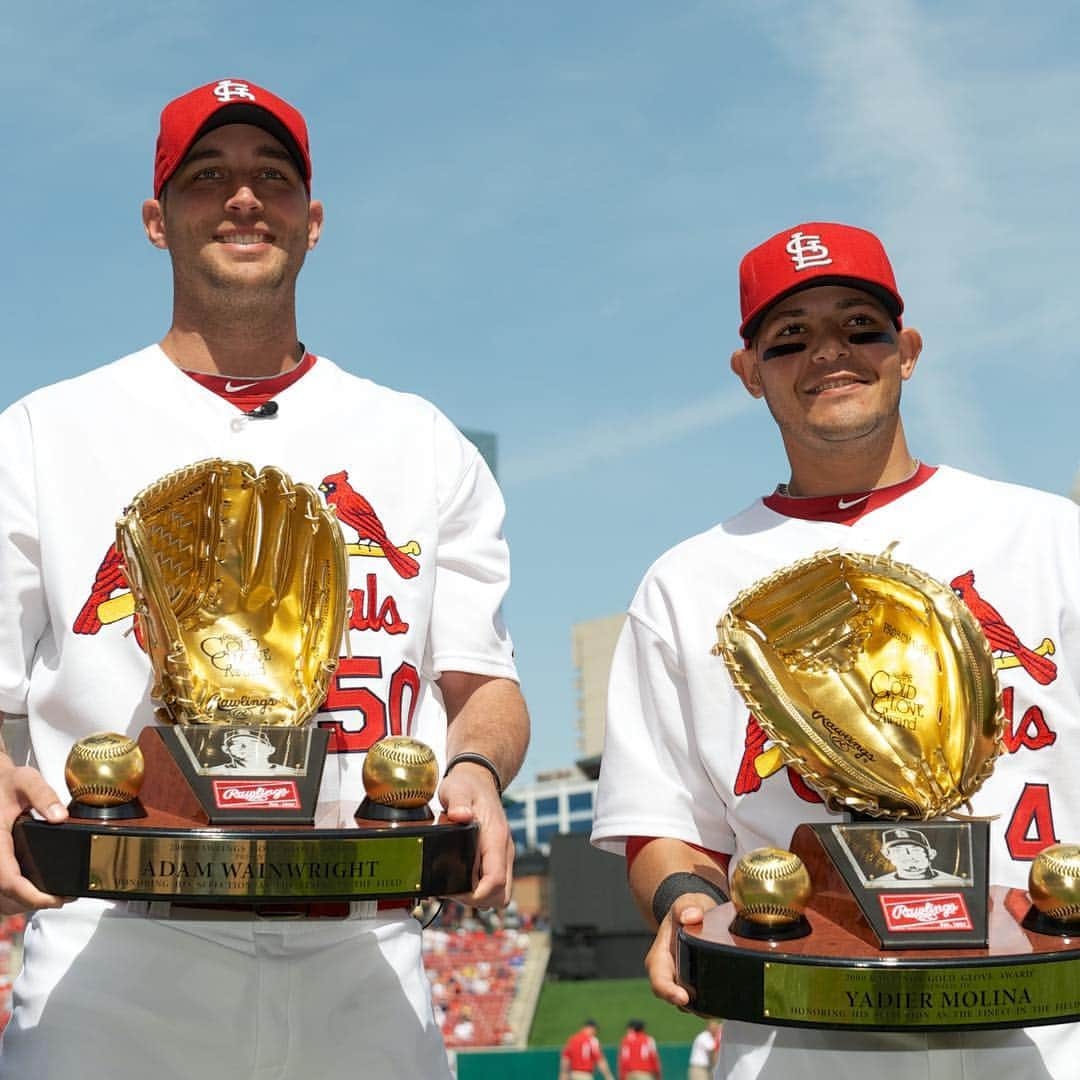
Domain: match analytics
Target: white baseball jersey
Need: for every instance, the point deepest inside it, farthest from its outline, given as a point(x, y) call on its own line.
point(684, 758)
point(422, 518)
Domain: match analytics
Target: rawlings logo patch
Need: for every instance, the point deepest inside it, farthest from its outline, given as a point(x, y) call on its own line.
point(256, 794)
point(934, 912)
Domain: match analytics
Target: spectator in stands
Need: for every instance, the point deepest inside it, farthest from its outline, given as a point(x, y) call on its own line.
point(465, 1029)
point(582, 1056)
point(704, 1053)
point(638, 1057)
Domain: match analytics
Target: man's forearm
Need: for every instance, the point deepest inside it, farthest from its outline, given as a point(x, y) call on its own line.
point(486, 716)
point(661, 858)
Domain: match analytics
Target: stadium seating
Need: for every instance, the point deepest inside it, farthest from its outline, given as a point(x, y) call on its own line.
point(474, 975)
point(11, 930)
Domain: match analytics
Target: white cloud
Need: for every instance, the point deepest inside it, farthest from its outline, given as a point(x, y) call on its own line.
point(622, 437)
point(894, 124)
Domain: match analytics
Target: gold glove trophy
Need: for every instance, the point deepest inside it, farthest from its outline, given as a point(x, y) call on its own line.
point(877, 685)
point(240, 582)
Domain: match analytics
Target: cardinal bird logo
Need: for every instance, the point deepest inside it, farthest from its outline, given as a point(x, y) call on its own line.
point(355, 511)
point(110, 599)
point(759, 763)
point(1009, 652)
point(101, 606)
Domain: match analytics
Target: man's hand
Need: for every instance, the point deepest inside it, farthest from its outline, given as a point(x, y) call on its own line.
point(468, 794)
point(485, 716)
point(23, 788)
point(654, 863)
point(688, 910)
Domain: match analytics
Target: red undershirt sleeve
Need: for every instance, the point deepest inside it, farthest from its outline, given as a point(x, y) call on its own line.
point(635, 845)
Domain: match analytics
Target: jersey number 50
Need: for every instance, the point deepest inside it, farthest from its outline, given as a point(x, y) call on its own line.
point(372, 718)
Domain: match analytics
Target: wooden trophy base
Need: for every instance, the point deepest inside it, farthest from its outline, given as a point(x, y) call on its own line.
point(887, 952)
point(175, 852)
point(930, 949)
point(834, 978)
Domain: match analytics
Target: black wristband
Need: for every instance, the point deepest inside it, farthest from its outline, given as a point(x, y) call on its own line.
point(675, 885)
point(477, 759)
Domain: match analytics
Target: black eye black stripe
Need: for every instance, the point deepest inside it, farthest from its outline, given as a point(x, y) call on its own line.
point(861, 337)
point(786, 349)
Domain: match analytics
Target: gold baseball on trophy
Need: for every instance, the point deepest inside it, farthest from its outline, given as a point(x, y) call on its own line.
point(770, 887)
point(105, 769)
point(400, 771)
point(1054, 882)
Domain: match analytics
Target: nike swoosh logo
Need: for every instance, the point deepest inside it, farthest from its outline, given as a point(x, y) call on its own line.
point(230, 388)
point(844, 504)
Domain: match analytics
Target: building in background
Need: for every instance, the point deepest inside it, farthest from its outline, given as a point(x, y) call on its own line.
point(560, 801)
point(593, 647)
point(560, 880)
point(556, 802)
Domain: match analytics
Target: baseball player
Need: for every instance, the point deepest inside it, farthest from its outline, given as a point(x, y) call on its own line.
point(126, 989)
point(639, 1058)
point(913, 860)
point(689, 780)
point(582, 1055)
point(703, 1052)
point(249, 750)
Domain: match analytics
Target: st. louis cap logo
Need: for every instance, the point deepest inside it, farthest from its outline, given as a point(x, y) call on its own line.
point(227, 90)
point(807, 250)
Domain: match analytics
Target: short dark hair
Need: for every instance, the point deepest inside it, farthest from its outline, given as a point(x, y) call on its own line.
point(636, 1025)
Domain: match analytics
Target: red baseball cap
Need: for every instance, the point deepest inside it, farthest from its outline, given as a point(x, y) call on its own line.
point(815, 253)
point(227, 101)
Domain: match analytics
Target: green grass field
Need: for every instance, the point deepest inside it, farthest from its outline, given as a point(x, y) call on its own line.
point(611, 1003)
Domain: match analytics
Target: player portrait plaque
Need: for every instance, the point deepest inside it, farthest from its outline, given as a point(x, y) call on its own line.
point(241, 587)
point(878, 687)
point(906, 857)
point(242, 750)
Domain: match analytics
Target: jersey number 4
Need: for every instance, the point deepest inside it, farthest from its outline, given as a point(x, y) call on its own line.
point(1031, 827)
point(371, 718)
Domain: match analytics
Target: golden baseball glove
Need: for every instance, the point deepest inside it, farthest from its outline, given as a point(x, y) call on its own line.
point(240, 584)
point(873, 679)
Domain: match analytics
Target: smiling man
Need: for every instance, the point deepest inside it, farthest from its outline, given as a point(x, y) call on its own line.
point(689, 779)
point(166, 990)
point(912, 859)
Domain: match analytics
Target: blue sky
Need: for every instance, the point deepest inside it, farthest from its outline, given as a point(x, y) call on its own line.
point(534, 218)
